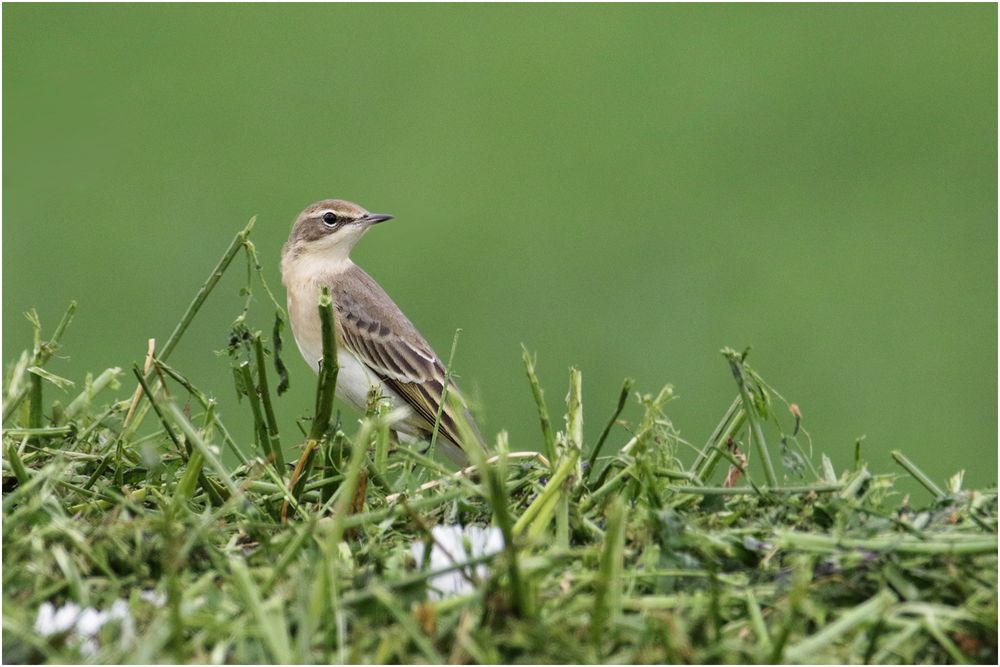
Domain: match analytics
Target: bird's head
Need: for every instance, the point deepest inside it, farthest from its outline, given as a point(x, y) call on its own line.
point(330, 228)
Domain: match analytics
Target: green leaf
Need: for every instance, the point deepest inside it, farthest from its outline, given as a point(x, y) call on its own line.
point(279, 364)
point(60, 382)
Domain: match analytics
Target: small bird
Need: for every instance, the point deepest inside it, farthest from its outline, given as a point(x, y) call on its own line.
point(376, 344)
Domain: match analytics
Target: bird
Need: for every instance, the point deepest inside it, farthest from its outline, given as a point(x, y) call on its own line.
point(377, 345)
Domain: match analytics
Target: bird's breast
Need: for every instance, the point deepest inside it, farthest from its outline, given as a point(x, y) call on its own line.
point(354, 379)
point(303, 275)
point(303, 315)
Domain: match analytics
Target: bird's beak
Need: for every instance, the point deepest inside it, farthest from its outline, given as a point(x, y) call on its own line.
point(375, 218)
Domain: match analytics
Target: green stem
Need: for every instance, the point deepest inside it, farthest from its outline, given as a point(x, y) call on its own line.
point(259, 429)
point(159, 412)
point(265, 397)
point(350, 486)
point(203, 481)
point(867, 612)
point(760, 445)
point(20, 472)
point(444, 392)
point(274, 635)
point(52, 345)
point(622, 397)
point(940, 544)
point(757, 622)
point(566, 467)
point(41, 354)
point(709, 455)
point(205, 403)
point(206, 288)
point(328, 370)
point(200, 445)
point(606, 488)
point(607, 597)
point(43, 431)
point(548, 438)
point(917, 473)
point(102, 381)
point(749, 490)
point(396, 511)
point(35, 402)
point(326, 388)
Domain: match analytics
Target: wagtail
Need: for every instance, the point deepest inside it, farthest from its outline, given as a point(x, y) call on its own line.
point(376, 344)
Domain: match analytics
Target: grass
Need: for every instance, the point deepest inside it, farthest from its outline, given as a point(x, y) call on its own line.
point(612, 551)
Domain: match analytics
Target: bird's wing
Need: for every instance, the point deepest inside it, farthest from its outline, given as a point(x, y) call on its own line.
point(374, 329)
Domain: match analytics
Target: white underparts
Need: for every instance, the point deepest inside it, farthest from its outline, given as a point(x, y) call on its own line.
point(354, 381)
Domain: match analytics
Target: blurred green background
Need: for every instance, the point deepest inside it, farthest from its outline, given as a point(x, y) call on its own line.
point(623, 188)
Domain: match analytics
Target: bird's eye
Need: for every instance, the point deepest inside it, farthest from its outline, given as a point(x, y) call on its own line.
point(330, 218)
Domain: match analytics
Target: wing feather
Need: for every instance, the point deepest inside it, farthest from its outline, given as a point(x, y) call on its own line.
point(373, 328)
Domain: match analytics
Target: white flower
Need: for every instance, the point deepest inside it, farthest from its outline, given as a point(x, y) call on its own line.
point(52, 622)
point(83, 624)
point(153, 597)
point(90, 621)
point(455, 545)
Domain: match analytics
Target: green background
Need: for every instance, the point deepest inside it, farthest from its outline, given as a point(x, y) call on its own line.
point(623, 188)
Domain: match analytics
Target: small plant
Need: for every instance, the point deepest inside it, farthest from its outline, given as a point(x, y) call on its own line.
point(137, 529)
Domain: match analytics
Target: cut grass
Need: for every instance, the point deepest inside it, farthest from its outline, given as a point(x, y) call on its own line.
point(633, 557)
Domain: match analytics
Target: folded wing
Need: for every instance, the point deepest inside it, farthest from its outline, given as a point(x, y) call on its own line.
point(376, 330)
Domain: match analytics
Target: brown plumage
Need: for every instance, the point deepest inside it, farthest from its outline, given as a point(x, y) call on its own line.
point(382, 345)
point(373, 327)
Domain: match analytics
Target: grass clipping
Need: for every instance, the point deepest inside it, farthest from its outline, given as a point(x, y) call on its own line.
point(136, 529)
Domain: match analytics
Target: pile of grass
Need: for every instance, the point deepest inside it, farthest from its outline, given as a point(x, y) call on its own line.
point(639, 547)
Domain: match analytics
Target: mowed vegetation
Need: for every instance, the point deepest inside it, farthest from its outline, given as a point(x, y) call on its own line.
point(137, 529)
